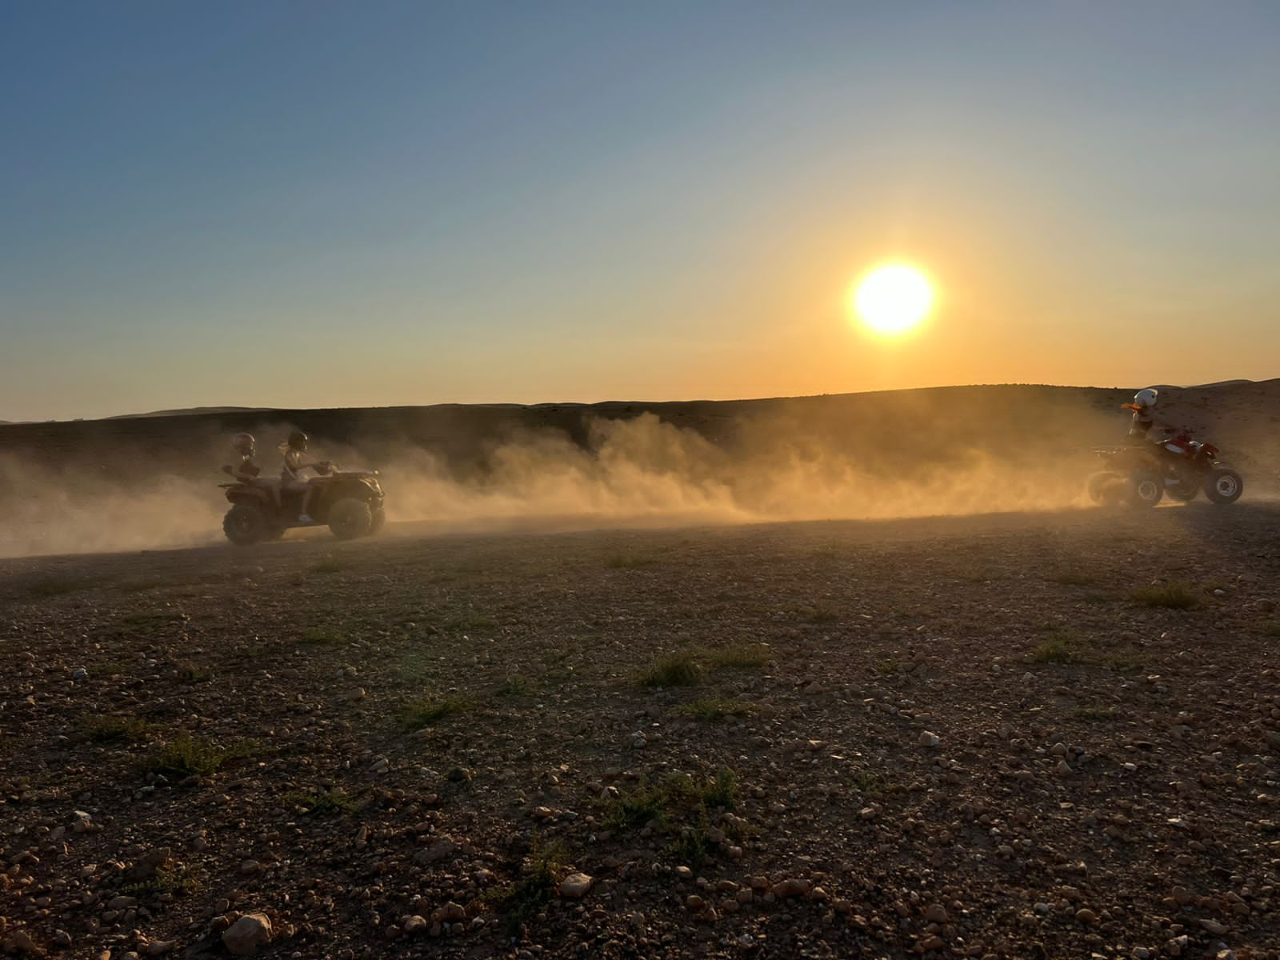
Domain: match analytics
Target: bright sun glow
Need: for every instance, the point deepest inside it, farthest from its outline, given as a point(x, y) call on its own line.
point(893, 298)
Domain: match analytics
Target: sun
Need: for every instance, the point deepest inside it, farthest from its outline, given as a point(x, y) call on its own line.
point(893, 298)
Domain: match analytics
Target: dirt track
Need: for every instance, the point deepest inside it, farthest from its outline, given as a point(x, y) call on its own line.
point(379, 730)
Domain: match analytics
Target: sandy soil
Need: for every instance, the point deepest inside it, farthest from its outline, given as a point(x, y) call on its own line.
point(1039, 735)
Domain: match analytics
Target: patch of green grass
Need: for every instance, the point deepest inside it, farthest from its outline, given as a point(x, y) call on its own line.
point(139, 586)
point(522, 901)
point(693, 846)
point(190, 756)
point(59, 586)
point(1056, 650)
point(179, 882)
point(1172, 596)
point(672, 800)
point(887, 666)
point(147, 623)
point(1271, 628)
point(980, 576)
point(1124, 659)
point(106, 729)
point(816, 615)
point(192, 673)
point(328, 565)
point(1064, 645)
point(678, 670)
point(1094, 714)
point(428, 710)
point(869, 783)
point(1072, 578)
point(516, 685)
point(715, 709)
point(109, 668)
point(469, 623)
point(322, 803)
point(742, 656)
point(321, 637)
point(629, 561)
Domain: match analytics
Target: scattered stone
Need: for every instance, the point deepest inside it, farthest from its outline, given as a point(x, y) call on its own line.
point(929, 739)
point(20, 942)
point(247, 934)
point(935, 913)
point(575, 886)
point(791, 888)
point(450, 913)
point(440, 850)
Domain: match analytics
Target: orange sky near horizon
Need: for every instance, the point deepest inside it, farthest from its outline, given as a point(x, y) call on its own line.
point(426, 204)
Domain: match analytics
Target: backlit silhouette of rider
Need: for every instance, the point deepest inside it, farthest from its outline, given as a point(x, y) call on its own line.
point(245, 469)
point(294, 463)
point(1143, 407)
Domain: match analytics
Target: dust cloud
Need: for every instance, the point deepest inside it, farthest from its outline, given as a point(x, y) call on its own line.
point(785, 464)
point(644, 470)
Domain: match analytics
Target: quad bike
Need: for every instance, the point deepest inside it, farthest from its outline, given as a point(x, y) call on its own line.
point(349, 502)
point(1177, 467)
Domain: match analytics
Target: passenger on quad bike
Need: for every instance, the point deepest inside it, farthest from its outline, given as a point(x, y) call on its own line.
point(245, 469)
point(349, 502)
point(291, 480)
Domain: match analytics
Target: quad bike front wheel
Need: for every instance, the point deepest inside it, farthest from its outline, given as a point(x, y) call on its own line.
point(1223, 486)
point(245, 525)
point(350, 518)
point(379, 518)
point(1182, 491)
point(1145, 488)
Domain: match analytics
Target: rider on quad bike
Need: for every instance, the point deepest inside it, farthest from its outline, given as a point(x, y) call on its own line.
point(349, 502)
point(291, 480)
point(1143, 407)
point(1147, 468)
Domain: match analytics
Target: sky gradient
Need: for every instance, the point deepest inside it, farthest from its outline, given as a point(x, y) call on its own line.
point(341, 204)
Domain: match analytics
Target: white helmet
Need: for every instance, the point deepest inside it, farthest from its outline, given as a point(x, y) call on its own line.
point(243, 443)
point(1147, 398)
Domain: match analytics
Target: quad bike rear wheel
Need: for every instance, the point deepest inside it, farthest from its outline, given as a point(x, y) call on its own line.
point(1223, 486)
point(1105, 489)
point(245, 525)
point(1145, 488)
point(350, 518)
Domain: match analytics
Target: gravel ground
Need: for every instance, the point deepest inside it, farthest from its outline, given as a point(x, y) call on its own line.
point(1017, 736)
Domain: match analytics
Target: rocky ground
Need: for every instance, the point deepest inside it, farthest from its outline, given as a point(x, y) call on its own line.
point(1052, 735)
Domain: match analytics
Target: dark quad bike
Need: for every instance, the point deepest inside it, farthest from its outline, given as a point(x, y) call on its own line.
point(1179, 468)
point(348, 502)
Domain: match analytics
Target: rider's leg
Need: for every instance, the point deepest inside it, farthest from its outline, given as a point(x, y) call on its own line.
point(304, 516)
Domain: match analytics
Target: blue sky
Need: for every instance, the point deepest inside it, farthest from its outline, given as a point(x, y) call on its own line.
point(332, 204)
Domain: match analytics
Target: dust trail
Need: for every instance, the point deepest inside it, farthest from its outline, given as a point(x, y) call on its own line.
point(646, 468)
point(912, 454)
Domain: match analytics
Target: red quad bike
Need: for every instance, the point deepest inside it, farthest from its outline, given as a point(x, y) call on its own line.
point(1140, 475)
point(348, 502)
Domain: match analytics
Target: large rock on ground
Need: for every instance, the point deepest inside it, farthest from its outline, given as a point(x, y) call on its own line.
point(246, 935)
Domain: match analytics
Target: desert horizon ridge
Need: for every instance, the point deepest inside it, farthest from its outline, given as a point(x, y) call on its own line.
point(239, 409)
